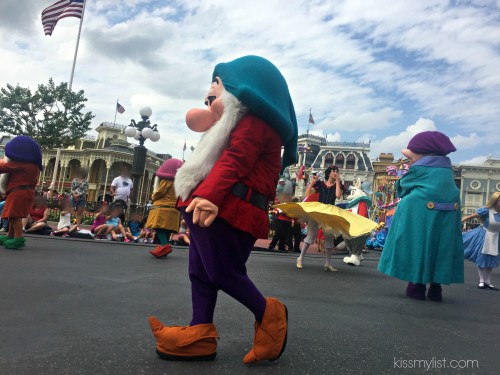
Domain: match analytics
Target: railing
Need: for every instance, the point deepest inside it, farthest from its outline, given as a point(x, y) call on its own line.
point(113, 126)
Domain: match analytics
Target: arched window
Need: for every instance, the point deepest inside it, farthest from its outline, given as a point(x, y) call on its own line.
point(328, 160)
point(350, 161)
point(339, 161)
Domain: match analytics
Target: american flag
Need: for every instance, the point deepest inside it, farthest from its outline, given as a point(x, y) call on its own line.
point(311, 120)
point(61, 9)
point(119, 108)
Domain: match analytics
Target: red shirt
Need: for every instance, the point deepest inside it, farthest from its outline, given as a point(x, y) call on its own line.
point(21, 173)
point(18, 203)
point(37, 213)
point(253, 157)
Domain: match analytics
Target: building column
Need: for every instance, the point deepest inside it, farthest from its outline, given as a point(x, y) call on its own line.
point(140, 187)
point(105, 183)
point(487, 189)
point(64, 170)
point(149, 188)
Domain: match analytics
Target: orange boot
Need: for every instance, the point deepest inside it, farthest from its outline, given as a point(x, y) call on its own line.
point(161, 251)
point(270, 335)
point(191, 343)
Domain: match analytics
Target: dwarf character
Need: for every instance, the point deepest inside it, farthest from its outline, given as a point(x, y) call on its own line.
point(424, 243)
point(224, 190)
point(164, 218)
point(22, 163)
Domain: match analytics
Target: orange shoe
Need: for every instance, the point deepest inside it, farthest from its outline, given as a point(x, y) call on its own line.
point(191, 343)
point(270, 335)
point(161, 251)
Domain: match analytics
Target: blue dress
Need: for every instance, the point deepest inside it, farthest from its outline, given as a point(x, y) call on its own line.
point(474, 240)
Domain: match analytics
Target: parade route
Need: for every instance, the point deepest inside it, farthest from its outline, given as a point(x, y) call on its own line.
point(81, 307)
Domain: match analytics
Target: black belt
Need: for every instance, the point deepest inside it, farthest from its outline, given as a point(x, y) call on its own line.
point(22, 187)
point(249, 195)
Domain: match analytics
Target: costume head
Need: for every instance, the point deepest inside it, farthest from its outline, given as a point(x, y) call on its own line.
point(358, 193)
point(284, 189)
point(262, 89)
point(248, 84)
point(429, 143)
point(23, 148)
point(169, 168)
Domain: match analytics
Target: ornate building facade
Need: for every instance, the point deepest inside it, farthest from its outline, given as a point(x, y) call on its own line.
point(477, 183)
point(102, 156)
point(315, 154)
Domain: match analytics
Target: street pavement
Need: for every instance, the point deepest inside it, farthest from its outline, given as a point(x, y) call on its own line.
point(81, 307)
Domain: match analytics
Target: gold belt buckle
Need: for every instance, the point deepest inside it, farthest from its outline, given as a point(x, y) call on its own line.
point(430, 205)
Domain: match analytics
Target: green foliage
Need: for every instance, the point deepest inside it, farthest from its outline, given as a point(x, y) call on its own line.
point(52, 115)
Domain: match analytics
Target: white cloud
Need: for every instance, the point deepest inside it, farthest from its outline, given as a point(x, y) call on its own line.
point(395, 143)
point(475, 161)
point(359, 121)
point(466, 141)
point(363, 67)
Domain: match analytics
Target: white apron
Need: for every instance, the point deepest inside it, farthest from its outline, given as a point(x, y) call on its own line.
point(490, 246)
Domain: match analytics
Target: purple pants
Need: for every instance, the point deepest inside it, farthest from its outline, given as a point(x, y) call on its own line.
point(217, 257)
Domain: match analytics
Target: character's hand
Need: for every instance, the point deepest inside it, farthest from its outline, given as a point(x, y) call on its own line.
point(204, 212)
point(314, 179)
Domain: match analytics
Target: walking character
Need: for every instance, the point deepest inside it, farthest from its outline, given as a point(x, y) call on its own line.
point(224, 192)
point(424, 242)
point(328, 190)
point(22, 163)
point(164, 218)
point(481, 244)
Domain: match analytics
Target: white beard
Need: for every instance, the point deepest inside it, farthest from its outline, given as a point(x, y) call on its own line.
point(4, 178)
point(209, 148)
point(156, 184)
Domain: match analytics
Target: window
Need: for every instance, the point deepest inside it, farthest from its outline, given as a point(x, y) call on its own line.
point(473, 199)
point(475, 184)
point(328, 159)
point(350, 161)
point(339, 161)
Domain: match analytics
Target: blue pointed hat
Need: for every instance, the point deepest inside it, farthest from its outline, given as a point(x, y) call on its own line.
point(260, 86)
point(23, 148)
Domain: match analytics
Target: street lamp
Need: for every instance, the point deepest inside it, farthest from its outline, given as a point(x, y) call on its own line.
point(140, 131)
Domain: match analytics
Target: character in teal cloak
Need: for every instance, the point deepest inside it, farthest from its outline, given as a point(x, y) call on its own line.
point(424, 244)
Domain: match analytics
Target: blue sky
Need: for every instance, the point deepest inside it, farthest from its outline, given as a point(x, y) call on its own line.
point(380, 70)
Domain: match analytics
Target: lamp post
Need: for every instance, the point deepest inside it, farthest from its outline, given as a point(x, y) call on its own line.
point(140, 131)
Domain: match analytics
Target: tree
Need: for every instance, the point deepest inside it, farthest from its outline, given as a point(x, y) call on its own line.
point(53, 115)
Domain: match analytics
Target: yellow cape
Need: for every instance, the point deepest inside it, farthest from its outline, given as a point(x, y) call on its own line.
point(329, 216)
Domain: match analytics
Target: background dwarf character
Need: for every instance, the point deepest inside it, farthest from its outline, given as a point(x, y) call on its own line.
point(424, 242)
point(23, 161)
point(164, 218)
point(224, 192)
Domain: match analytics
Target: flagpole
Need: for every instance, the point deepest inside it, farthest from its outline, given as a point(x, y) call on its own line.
point(116, 111)
point(308, 122)
point(56, 164)
point(77, 45)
